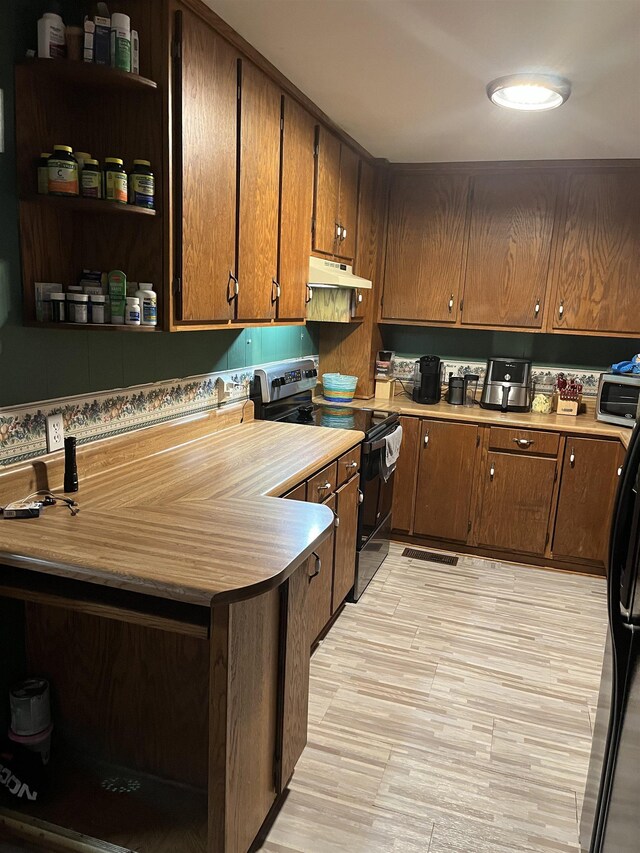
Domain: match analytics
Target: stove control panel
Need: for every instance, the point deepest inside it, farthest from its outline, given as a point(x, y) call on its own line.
point(280, 382)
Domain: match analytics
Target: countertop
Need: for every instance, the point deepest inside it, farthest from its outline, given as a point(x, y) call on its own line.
point(196, 523)
point(583, 424)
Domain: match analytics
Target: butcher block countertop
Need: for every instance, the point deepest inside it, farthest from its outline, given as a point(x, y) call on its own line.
point(583, 424)
point(193, 521)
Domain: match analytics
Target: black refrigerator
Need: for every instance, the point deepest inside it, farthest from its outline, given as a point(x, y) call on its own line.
point(610, 821)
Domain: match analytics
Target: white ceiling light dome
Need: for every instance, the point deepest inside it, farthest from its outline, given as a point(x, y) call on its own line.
point(529, 92)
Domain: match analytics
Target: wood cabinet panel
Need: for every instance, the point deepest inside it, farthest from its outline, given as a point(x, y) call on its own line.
point(368, 248)
point(320, 486)
point(327, 191)
point(297, 494)
point(348, 465)
point(296, 209)
point(588, 483)
point(445, 480)
point(404, 482)
point(206, 142)
point(531, 442)
point(512, 218)
point(295, 672)
point(344, 564)
point(425, 247)
point(516, 502)
point(598, 277)
point(320, 586)
point(259, 195)
point(348, 202)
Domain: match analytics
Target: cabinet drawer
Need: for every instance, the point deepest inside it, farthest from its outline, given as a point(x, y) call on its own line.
point(320, 486)
point(528, 441)
point(299, 493)
point(348, 465)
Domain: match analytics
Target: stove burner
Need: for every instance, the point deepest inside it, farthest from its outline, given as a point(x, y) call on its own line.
point(305, 413)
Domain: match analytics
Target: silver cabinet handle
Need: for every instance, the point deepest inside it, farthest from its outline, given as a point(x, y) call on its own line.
point(338, 231)
point(360, 496)
point(353, 464)
point(336, 519)
point(572, 457)
point(359, 297)
point(324, 486)
point(524, 442)
point(233, 288)
point(309, 295)
point(492, 471)
point(536, 310)
point(426, 439)
point(317, 565)
point(620, 471)
point(451, 303)
point(343, 234)
point(561, 308)
point(275, 290)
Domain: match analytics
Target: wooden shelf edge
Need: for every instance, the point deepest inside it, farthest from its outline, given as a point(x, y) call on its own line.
point(88, 73)
point(91, 327)
point(88, 205)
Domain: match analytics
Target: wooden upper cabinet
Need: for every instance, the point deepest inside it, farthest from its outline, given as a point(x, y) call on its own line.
point(365, 263)
point(598, 276)
point(205, 143)
point(327, 191)
point(445, 480)
point(260, 113)
point(425, 247)
point(296, 209)
point(348, 202)
point(587, 490)
point(509, 253)
point(516, 502)
point(336, 196)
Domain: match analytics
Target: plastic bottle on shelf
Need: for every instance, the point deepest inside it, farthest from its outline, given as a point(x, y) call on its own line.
point(91, 179)
point(51, 37)
point(132, 311)
point(115, 180)
point(43, 174)
point(121, 41)
point(148, 304)
point(142, 185)
point(62, 168)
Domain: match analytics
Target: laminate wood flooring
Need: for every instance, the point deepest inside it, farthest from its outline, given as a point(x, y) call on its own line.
point(451, 711)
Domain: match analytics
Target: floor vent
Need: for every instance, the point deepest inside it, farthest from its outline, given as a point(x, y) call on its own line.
point(430, 556)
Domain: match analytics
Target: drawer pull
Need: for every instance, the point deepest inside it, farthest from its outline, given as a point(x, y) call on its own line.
point(620, 471)
point(343, 236)
point(492, 471)
point(359, 298)
point(317, 565)
point(309, 295)
point(561, 308)
point(426, 439)
point(233, 288)
point(323, 486)
point(275, 290)
point(350, 464)
point(536, 310)
point(572, 457)
point(524, 442)
point(338, 231)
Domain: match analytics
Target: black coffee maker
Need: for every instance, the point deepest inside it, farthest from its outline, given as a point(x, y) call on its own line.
point(427, 383)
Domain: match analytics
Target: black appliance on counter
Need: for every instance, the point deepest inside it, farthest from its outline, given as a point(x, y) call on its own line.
point(610, 821)
point(507, 385)
point(285, 394)
point(427, 381)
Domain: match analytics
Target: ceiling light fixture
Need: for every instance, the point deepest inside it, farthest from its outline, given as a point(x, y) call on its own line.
point(529, 92)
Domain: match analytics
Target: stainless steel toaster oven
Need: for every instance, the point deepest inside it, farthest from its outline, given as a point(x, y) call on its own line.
point(619, 398)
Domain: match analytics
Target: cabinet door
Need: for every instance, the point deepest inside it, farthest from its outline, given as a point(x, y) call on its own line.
point(348, 203)
point(260, 112)
point(294, 678)
point(425, 247)
point(585, 504)
point(367, 239)
point(205, 134)
point(320, 586)
point(296, 209)
point(445, 480)
point(512, 218)
point(327, 191)
point(404, 478)
point(516, 502)
point(599, 267)
point(344, 565)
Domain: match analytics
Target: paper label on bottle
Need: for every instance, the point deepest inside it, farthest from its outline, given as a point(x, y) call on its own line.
point(149, 312)
point(63, 177)
point(142, 188)
point(116, 186)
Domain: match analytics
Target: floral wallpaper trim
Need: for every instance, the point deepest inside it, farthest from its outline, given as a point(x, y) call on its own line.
point(543, 376)
point(93, 416)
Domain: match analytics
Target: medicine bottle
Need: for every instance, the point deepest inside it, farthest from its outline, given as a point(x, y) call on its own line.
point(115, 180)
point(132, 311)
point(43, 174)
point(91, 180)
point(148, 304)
point(62, 167)
point(142, 185)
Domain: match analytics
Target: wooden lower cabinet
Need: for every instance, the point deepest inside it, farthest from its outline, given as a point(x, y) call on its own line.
point(445, 480)
point(344, 564)
point(320, 586)
point(588, 485)
point(516, 502)
point(404, 487)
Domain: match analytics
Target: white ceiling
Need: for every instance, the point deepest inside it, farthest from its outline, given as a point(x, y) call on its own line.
point(406, 78)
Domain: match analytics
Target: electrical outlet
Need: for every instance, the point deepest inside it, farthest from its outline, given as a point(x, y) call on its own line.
point(55, 433)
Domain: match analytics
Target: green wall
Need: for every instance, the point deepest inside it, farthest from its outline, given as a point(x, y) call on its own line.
point(565, 350)
point(38, 364)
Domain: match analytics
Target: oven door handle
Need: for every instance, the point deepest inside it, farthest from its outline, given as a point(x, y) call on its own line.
point(372, 446)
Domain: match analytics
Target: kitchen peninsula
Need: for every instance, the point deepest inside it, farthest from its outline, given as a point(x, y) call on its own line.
point(182, 653)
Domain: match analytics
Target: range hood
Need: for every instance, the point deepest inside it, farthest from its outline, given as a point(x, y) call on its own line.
point(324, 273)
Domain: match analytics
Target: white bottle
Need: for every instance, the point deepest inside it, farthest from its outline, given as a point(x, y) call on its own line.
point(148, 304)
point(132, 311)
point(51, 37)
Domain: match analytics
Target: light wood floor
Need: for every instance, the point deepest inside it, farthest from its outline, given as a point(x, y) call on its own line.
point(451, 712)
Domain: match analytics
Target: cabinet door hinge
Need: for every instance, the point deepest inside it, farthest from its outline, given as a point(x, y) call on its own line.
point(316, 150)
point(177, 285)
point(546, 541)
point(469, 526)
point(313, 226)
point(477, 439)
point(176, 50)
point(555, 475)
point(461, 305)
point(282, 124)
